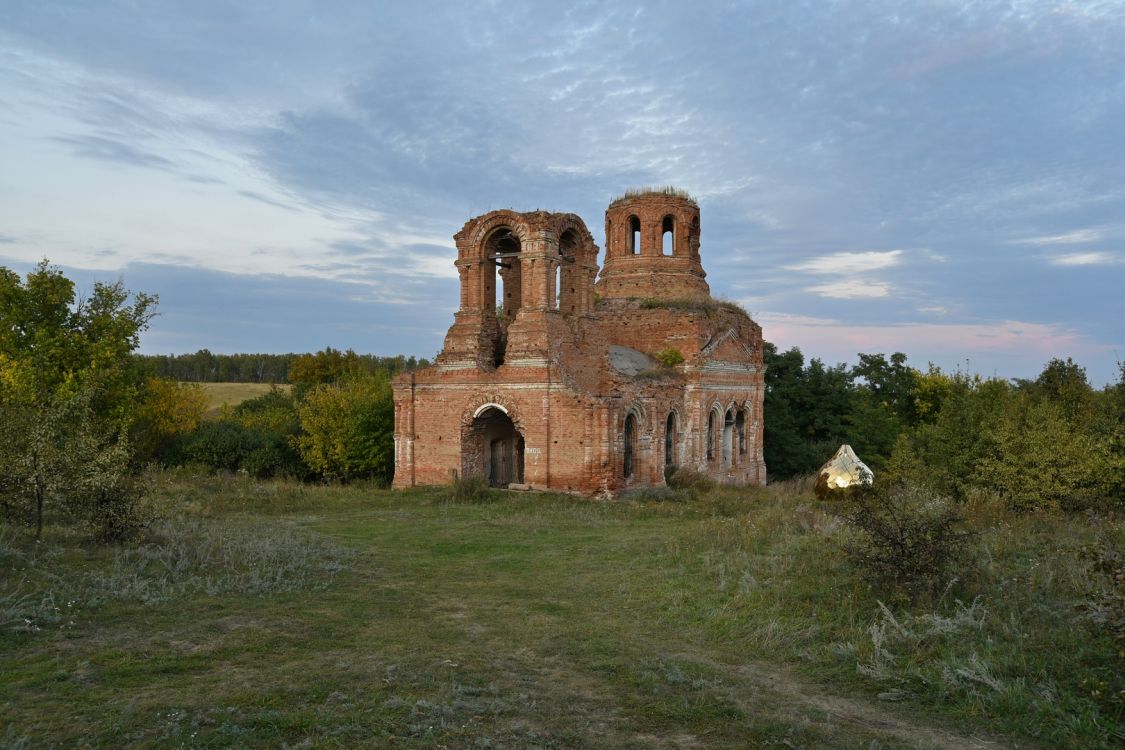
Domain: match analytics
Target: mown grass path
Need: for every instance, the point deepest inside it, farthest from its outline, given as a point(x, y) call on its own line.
point(532, 621)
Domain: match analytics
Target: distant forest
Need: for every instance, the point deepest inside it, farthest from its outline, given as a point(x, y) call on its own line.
point(206, 367)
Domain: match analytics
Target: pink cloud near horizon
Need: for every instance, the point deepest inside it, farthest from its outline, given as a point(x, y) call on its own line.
point(1010, 341)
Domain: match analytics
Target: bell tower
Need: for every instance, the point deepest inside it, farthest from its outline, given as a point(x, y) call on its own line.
point(652, 247)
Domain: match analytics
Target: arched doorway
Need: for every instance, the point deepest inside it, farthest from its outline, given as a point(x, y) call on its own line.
point(493, 448)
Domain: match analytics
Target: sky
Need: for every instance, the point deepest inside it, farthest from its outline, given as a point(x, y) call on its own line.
point(939, 178)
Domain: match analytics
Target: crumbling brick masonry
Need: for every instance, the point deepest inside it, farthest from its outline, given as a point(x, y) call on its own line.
point(548, 380)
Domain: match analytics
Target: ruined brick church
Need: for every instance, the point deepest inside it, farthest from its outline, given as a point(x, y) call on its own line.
point(552, 377)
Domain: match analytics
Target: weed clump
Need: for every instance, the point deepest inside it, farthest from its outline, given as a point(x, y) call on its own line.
point(683, 478)
point(470, 490)
point(669, 357)
point(908, 538)
point(658, 495)
point(1105, 611)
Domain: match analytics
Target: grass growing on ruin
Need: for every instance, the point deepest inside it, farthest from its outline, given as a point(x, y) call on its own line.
point(259, 614)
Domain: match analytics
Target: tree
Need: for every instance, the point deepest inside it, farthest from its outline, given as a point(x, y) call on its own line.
point(329, 366)
point(1063, 383)
point(166, 411)
point(891, 383)
point(1035, 458)
point(67, 388)
point(806, 411)
point(348, 429)
point(953, 444)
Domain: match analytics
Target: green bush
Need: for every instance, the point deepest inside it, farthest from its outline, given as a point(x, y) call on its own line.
point(274, 417)
point(908, 541)
point(220, 446)
point(276, 458)
point(348, 429)
point(1036, 459)
point(166, 411)
point(110, 498)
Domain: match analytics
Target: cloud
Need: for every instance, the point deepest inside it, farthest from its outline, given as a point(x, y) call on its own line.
point(1077, 237)
point(851, 288)
point(114, 151)
point(1083, 259)
point(849, 263)
point(1004, 345)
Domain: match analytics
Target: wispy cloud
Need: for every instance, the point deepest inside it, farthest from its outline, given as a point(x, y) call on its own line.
point(1077, 237)
point(113, 151)
point(1083, 259)
point(851, 288)
point(849, 263)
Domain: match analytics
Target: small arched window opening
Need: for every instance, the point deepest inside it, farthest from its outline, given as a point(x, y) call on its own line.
point(566, 278)
point(668, 236)
point(670, 440)
point(711, 436)
point(630, 443)
point(634, 235)
point(740, 428)
point(502, 288)
point(728, 438)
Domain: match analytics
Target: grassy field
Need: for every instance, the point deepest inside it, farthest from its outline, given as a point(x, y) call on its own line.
point(276, 614)
point(233, 394)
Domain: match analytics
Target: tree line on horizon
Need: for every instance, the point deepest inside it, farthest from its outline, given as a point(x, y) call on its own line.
point(205, 366)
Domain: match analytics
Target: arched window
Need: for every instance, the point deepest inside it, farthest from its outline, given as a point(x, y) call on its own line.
point(634, 235)
point(728, 439)
point(630, 443)
point(711, 436)
point(668, 236)
point(740, 428)
point(670, 440)
point(567, 278)
point(502, 287)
